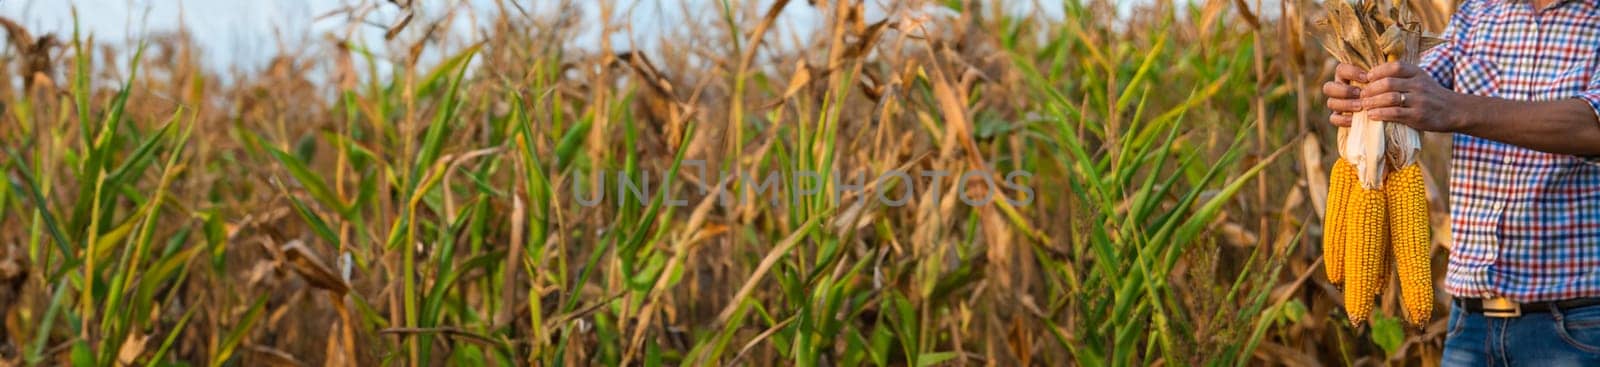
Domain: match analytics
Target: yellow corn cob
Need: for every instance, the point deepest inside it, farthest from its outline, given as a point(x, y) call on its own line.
point(1385, 262)
point(1409, 232)
point(1340, 182)
point(1366, 234)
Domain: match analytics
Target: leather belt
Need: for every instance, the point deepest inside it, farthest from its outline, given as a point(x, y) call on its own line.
point(1503, 307)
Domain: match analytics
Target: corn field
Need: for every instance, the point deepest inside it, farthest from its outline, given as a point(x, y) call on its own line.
point(468, 198)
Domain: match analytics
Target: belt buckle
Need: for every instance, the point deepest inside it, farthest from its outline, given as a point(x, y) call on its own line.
point(1500, 307)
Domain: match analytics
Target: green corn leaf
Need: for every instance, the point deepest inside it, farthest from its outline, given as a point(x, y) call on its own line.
point(172, 337)
point(230, 342)
point(311, 181)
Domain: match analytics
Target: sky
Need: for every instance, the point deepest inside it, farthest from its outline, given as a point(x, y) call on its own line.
point(234, 30)
point(245, 34)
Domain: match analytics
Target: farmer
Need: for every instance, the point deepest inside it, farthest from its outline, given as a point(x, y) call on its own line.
point(1517, 82)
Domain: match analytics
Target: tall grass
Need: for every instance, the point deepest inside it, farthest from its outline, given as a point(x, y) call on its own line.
point(426, 205)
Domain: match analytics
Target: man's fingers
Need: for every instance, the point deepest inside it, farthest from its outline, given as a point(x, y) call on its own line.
point(1340, 120)
point(1386, 85)
point(1393, 70)
point(1391, 99)
point(1344, 105)
point(1394, 114)
point(1351, 73)
point(1340, 90)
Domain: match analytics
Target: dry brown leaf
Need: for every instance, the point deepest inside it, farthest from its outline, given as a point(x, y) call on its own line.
point(1236, 235)
point(132, 348)
point(399, 25)
point(335, 354)
point(797, 81)
point(1245, 13)
point(311, 268)
point(1316, 174)
point(259, 272)
point(272, 356)
point(508, 291)
point(1282, 355)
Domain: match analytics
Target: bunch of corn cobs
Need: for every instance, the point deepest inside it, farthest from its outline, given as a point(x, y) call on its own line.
point(1377, 204)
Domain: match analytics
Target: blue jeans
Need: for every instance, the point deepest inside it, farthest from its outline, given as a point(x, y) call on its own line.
point(1569, 337)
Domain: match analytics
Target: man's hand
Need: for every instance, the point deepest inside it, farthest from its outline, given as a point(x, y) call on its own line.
point(1403, 93)
point(1343, 97)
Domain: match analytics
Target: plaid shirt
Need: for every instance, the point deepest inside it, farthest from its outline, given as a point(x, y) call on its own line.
point(1526, 223)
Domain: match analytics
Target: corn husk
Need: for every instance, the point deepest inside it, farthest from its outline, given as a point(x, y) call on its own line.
point(1368, 33)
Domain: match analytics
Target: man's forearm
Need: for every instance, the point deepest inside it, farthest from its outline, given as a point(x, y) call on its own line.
point(1566, 126)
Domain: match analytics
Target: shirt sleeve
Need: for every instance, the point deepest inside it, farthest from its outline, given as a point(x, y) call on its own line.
point(1440, 61)
point(1591, 94)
